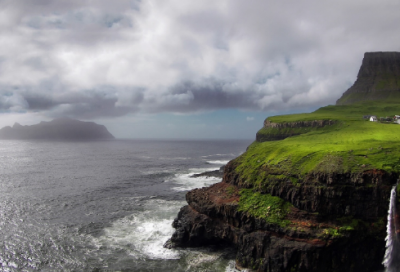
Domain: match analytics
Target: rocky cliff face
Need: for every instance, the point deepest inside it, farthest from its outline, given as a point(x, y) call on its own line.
point(279, 131)
point(378, 78)
point(362, 195)
point(312, 241)
point(335, 220)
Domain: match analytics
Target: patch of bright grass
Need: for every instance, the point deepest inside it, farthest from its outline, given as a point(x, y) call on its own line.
point(271, 208)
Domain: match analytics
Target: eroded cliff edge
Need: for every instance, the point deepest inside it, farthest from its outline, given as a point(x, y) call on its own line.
point(331, 223)
point(278, 131)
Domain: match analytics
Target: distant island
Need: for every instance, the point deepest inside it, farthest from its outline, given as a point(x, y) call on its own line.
point(57, 129)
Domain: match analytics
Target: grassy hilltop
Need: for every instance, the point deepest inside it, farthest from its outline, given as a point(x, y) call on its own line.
point(352, 144)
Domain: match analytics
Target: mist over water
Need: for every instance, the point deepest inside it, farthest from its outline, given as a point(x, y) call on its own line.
point(103, 206)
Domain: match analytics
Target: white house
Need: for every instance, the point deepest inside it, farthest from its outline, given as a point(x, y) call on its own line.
point(373, 119)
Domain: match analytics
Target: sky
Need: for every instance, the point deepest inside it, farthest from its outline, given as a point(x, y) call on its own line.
point(183, 69)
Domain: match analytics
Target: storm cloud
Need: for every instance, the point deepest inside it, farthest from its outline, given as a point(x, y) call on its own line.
point(92, 59)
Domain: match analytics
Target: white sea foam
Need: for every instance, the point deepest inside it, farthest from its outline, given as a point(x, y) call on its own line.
point(221, 162)
point(231, 267)
point(144, 233)
point(204, 260)
point(219, 155)
point(174, 158)
point(187, 182)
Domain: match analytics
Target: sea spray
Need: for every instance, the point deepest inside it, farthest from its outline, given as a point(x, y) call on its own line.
point(390, 261)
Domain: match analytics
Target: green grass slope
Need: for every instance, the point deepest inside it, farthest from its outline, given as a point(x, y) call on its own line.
point(352, 144)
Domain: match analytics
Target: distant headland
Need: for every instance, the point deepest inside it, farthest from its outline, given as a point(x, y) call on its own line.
point(57, 129)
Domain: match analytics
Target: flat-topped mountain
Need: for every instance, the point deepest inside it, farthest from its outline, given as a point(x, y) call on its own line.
point(57, 129)
point(378, 79)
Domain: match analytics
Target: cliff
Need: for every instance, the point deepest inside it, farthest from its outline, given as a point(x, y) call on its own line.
point(378, 78)
point(320, 223)
point(279, 131)
point(310, 194)
point(57, 129)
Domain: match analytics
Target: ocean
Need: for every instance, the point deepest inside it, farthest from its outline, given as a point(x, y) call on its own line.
point(104, 206)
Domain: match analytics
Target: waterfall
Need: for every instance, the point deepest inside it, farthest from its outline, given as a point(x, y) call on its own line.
point(391, 263)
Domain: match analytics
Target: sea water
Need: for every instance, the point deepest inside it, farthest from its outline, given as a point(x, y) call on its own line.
point(104, 206)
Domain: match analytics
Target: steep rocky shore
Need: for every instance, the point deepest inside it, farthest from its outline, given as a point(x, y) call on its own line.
point(334, 224)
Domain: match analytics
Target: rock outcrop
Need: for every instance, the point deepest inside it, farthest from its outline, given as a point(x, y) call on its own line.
point(378, 79)
point(312, 241)
point(57, 129)
point(362, 195)
point(214, 173)
point(278, 131)
point(298, 124)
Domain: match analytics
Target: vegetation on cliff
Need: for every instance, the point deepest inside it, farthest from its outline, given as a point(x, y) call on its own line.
point(352, 144)
point(331, 170)
point(350, 147)
point(271, 208)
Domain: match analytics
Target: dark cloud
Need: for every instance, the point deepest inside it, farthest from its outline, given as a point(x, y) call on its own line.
point(208, 95)
point(110, 58)
point(95, 107)
point(88, 104)
point(37, 102)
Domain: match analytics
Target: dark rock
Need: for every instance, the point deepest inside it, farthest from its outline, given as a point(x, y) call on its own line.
point(212, 217)
point(282, 127)
point(215, 173)
point(299, 124)
point(364, 195)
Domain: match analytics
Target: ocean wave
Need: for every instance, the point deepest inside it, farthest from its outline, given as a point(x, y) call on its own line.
point(143, 234)
point(186, 182)
point(221, 162)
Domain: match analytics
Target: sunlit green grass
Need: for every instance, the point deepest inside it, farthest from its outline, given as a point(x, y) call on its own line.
point(271, 208)
point(351, 145)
